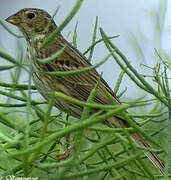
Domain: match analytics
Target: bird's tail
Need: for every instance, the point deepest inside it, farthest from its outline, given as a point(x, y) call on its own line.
point(151, 155)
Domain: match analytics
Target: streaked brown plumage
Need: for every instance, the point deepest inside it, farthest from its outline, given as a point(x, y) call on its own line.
point(34, 23)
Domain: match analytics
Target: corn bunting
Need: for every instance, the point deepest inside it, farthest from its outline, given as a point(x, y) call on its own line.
point(36, 24)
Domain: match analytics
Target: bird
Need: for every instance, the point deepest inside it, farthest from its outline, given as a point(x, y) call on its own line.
point(36, 25)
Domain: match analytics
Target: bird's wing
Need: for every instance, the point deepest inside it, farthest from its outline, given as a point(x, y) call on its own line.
point(83, 83)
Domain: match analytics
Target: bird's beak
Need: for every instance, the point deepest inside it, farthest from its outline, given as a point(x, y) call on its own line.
point(13, 20)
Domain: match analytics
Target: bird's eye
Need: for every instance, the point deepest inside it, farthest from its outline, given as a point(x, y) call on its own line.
point(30, 15)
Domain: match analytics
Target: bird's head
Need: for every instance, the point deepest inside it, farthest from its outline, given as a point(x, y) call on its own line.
point(32, 21)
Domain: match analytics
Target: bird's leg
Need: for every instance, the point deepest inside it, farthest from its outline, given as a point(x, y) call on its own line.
point(65, 154)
